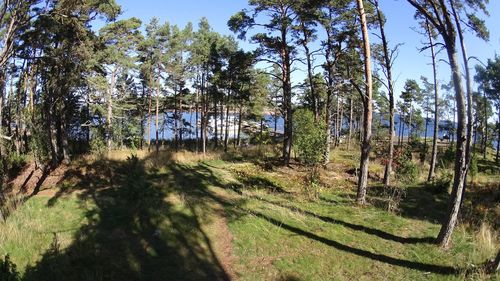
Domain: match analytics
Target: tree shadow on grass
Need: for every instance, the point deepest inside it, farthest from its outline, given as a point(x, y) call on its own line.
point(419, 202)
point(368, 230)
point(132, 232)
point(438, 269)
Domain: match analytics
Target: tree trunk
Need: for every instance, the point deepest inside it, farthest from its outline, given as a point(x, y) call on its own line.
point(239, 125)
point(328, 124)
point(196, 121)
point(351, 113)
point(461, 165)
point(287, 96)
point(310, 74)
point(157, 116)
point(436, 106)
point(109, 119)
point(485, 134)
point(498, 137)
point(367, 107)
point(149, 115)
point(216, 124)
point(2, 92)
point(226, 135)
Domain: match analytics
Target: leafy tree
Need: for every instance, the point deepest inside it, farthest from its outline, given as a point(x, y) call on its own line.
point(275, 47)
point(489, 78)
point(120, 39)
point(309, 137)
point(439, 14)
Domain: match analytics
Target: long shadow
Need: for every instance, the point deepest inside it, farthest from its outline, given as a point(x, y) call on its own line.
point(357, 227)
point(445, 270)
point(420, 202)
point(132, 233)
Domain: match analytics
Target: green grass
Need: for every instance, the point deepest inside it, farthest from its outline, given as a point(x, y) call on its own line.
point(148, 218)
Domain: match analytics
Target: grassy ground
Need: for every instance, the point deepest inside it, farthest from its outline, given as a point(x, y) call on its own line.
point(237, 216)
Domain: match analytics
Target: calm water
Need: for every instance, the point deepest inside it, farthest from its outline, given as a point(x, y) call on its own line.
point(166, 126)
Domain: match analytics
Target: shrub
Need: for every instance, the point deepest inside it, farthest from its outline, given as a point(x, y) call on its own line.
point(473, 168)
point(447, 158)
point(442, 183)
point(309, 137)
point(407, 171)
point(98, 145)
point(11, 164)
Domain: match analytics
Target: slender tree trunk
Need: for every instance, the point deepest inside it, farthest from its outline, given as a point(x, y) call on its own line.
point(149, 116)
point(196, 121)
point(310, 74)
point(109, 118)
point(328, 124)
point(287, 96)
point(485, 134)
point(436, 105)
point(216, 124)
point(388, 67)
point(180, 113)
point(461, 165)
point(157, 131)
point(2, 94)
point(239, 125)
point(498, 138)
point(468, 86)
point(176, 118)
point(402, 133)
point(351, 121)
point(226, 135)
point(204, 117)
point(367, 107)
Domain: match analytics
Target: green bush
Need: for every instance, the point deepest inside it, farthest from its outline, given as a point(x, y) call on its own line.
point(309, 137)
point(407, 171)
point(473, 168)
point(442, 183)
point(11, 164)
point(98, 145)
point(446, 158)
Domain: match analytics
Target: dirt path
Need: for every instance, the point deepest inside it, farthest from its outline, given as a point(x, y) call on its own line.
point(223, 243)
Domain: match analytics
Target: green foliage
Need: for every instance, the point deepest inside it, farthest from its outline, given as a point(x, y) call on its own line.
point(442, 183)
point(8, 270)
point(406, 170)
point(97, 143)
point(39, 146)
point(473, 168)
point(421, 148)
point(11, 163)
point(309, 140)
point(446, 158)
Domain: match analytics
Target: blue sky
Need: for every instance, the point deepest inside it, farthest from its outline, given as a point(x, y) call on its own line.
point(410, 63)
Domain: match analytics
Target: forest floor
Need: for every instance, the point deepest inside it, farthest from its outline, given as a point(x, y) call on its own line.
point(237, 216)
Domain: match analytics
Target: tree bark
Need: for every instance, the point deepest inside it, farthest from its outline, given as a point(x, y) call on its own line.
point(367, 107)
point(149, 115)
point(196, 121)
point(436, 105)
point(157, 116)
point(109, 118)
point(351, 113)
point(239, 125)
point(287, 96)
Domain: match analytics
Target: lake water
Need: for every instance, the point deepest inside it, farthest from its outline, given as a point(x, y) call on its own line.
point(166, 127)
